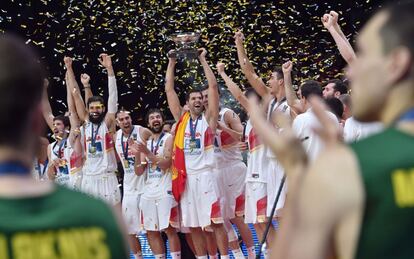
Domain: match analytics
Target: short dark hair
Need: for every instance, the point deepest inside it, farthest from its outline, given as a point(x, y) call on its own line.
point(64, 119)
point(311, 87)
point(190, 91)
point(121, 110)
point(399, 27)
point(336, 106)
point(345, 99)
point(154, 110)
point(21, 85)
point(339, 86)
point(95, 99)
point(169, 122)
point(278, 70)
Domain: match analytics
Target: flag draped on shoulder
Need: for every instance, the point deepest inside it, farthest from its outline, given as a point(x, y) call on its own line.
point(179, 173)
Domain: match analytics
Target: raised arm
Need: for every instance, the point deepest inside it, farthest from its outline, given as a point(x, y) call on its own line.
point(330, 22)
point(75, 92)
point(172, 97)
point(247, 67)
point(213, 97)
point(232, 86)
point(74, 135)
point(85, 80)
point(78, 108)
point(47, 110)
point(106, 61)
point(292, 99)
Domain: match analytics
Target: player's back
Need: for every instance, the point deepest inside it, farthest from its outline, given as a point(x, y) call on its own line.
point(60, 224)
point(386, 161)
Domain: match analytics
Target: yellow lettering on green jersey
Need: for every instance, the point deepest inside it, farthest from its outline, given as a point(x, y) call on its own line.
point(4, 251)
point(403, 185)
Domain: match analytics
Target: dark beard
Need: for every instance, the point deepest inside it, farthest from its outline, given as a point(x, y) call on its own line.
point(98, 120)
point(157, 130)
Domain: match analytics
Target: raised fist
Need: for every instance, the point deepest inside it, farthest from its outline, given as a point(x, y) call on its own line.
point(287, 67)
point(67, 61)
point(85, 78)
point(220, 67)
point(203, 53)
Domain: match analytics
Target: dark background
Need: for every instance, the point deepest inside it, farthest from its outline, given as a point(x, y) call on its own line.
point(136, 32)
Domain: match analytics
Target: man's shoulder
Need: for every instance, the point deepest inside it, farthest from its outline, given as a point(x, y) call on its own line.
point(80, 201)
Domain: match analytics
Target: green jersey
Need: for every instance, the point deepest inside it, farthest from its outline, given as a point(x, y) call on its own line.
point(386, 162)
point(61, 224)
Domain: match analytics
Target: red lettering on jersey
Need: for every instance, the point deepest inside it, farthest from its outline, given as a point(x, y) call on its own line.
point(226, 139)
point(254, 140)
point(75, 160)
point(208, 138)
point(109, 142)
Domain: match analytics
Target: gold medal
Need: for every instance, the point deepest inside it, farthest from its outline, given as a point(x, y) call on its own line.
point(92, 150)
point(193, 144)
point(126, 163)
point(154, 166)
point(62, 163)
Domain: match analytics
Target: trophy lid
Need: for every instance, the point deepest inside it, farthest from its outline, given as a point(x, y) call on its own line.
point(185, 37)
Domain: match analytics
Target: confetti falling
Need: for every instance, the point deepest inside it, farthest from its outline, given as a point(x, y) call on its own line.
point(137, 34)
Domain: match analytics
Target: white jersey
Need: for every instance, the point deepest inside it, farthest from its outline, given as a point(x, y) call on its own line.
point(281, 107)
point(225, 146)
point(158, 183)
point(39, 170)
point(257, 161)
point(99, 151)
point(66, 169)
point(198, 149)
point(355, 130)
point(132, 182)
point(303, 126)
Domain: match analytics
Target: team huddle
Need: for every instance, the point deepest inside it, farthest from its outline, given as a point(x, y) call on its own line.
point(192, 178)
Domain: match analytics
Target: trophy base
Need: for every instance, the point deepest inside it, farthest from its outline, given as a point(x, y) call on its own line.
point(184, 54)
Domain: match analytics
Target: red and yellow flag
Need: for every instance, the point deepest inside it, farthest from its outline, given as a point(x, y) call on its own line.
point(179, 173)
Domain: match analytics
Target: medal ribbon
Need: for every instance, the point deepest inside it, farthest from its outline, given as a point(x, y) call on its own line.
point(154, 150)
point(94, 135)
point(60, 152)
point(193, 128)
point(125, 148)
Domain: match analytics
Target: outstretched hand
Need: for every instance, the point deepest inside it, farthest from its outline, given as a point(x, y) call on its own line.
point(105, 60)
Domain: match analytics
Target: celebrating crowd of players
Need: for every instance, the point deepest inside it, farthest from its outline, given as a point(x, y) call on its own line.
point(192, 178)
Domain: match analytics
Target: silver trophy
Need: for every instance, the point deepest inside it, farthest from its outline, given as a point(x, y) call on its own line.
point(185, 42)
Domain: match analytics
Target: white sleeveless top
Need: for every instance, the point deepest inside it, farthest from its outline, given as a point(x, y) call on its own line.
point(225, 147)
point(132, 182)
point(158, 184)
point(39, 170)
point(199, 152)
point(257, 161)
point(101, 158)
point(64, 152)
point(281, 107)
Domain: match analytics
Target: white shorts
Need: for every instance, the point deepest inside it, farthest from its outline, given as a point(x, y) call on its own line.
point(158, 214)
point(199, 202)
point(104, 186)
point(131, 212)
point(256, 202)
point(275, 176)
point(231, 182)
